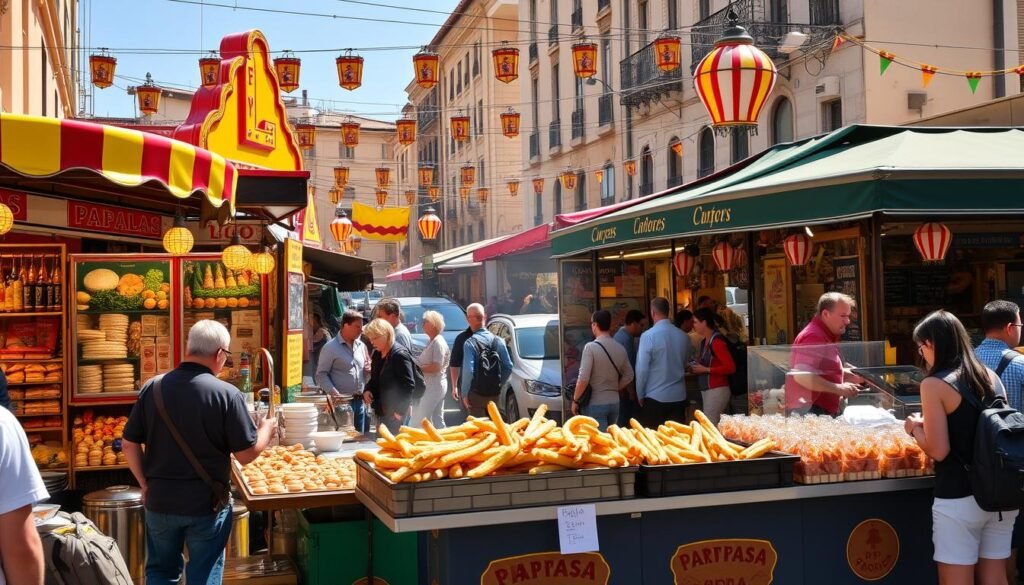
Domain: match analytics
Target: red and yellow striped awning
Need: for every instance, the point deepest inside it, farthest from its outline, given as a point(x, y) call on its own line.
point(45, 147)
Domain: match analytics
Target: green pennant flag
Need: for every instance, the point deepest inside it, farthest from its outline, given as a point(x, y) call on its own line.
point(973, 82)
point(884, 60)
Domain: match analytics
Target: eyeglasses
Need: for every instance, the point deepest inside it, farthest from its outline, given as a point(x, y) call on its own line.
point(226, 352)
point(1016, 324)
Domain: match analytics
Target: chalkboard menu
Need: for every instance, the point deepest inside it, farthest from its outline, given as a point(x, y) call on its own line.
point(846, 279)
point(922, 285)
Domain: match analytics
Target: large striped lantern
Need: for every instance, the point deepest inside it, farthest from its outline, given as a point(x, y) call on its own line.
point(350, 70)
point(350, 134)
point(429, 224)
point(460, 128)
point(209, 67)
point(724, 255)
point(101, 68)
point(538, 186)
point(340, 177)
point(382, 197)
point(148, 95)
point(405, 128)
point(932, 240)
point(684, 262)
point(798, 248)
point(424, 66)
point(513, 187)
point(341, 227)
point(426, 175)
point(506, 63)
point(734, 80)
point(287, 67)
point(739, 256)
point(668, 52)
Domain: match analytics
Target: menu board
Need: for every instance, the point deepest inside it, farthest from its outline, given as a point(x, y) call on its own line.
point(625, 278)
point(846, 279)
point(576, 306)
point(922, 285)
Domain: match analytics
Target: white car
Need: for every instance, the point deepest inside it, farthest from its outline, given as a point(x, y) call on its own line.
point(536, 379)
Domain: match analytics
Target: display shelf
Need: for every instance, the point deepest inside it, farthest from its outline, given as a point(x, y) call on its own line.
point(32, 360)
point(44, 429)
point(12, 384)
point(38, 398)
point(122, 400)
point(88, 361)
point(101, 468)
point(126, 312)
point(34, 314)
point(34, 414)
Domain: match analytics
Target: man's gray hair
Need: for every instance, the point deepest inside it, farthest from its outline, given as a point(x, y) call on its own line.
point(829, 300)
point(206, 337)
point(477, 308)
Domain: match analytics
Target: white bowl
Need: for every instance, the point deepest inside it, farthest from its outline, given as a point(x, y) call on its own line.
point(297, 406)
point(292, 425)
point(328, 440)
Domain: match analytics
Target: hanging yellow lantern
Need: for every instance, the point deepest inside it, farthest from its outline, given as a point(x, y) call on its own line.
point(425, 65)
point(468, 175)
point(350, 70)
point(510, 123)
point(435, 193)
point(630, 166)
point(357, 244)
point(382, 197)
point(209, 67)
point(383, 175)
point(460, 128)
point(340, 177)
point(178, 240)
point(341, 227)
point(350, 134)
point(287, 67)
point(482, 194)
point(600, 176)
point(538, 186)
point(334, 195)
point(668, 52)
point(101, 67)
point(426, 173)
point(346, 246)
point(306, 134)
point(405, 128)
point(7, 220)
point(464, 193)
point(506, 63)
point(677, 147)
point(262, 262)
point(584, 59)
point(513, 187)
point(568, 179)
point(236, 256)
point(148, 95)
point(429, 224)
point(410, 196)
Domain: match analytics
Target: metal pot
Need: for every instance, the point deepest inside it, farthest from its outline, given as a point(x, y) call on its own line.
point(238, 544)
point(118, 512)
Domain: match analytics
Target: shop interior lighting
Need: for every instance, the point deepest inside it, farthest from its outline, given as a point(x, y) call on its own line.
point(641, 254)
point(807, 230)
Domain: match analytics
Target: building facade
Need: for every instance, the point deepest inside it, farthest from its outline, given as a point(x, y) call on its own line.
point(40, 60)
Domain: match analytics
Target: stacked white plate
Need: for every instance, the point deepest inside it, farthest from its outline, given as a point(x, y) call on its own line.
point(299, 421)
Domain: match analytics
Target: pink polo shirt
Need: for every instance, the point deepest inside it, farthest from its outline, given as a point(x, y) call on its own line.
point(814, 350)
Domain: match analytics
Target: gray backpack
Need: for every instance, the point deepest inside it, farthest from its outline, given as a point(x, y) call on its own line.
point(79, 554)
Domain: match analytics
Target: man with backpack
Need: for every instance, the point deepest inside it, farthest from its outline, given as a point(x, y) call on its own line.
point(21, 553)
point(486, 365)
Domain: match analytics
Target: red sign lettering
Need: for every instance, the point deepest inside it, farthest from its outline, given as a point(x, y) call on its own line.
point(104, 218)
point(18, 202)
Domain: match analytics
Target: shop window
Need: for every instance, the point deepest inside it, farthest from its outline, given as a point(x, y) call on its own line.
point(608, 184)
point(740, 148)
point(782, 121)
point(706, 154)
point(646, 172)
point(831, 115)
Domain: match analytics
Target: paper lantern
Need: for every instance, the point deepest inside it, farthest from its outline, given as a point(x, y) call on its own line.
point(148, 95)
point(410, 196)
point(739, 256)
point(429, 224)
point(383, 175)
point(668, 52)
point(483, 194)
point(350, 134)
point(405, 129)
point(464, 193)
point(262, 262)
point(341, 227)
point(722, 254)
point(468, 175)
point(932, 240)
point(600, 176)
point(506, 63)
point(538, 186)
point(287, 67)
point(426, 175)
point(684, 263)
point(513, 187)
point(734, 80)
point(236, 256)
point(306, 135)
point(568, 179)
point(334, 195)
point(630, 166)
point(677, 147)
point(101, 68)
point(340, 177)
point(209, 70)
point(460, 128)
point(584, 59)
point(510, 123)
point(382, 197)
point(178, 240)
point(350, 70)
point(435, 193)
point(424, 66)
point(798, 248)
point(7, 219)
point(357, 244)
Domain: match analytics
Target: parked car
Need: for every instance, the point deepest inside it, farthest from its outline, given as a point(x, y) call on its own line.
point(536, 379)
point(736, 301)
point(362, 300)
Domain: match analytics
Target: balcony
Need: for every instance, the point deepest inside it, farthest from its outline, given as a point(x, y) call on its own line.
point(577, 19)
point(825, 12)
point(553, 35)
point(555, 135)
point(646, 189)
point(535, 144)
point(674, 181)
point(426, 115)
point(604, 110)
point(533, 51)
point(577, 124)
point(642, 81)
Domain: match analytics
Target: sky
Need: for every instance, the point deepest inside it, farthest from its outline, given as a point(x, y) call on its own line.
point(136, 29)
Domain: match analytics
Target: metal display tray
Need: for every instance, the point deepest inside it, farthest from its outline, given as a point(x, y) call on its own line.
point(772, 470)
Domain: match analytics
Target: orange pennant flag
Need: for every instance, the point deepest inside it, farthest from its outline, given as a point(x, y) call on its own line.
point(927, 72)
point(837, 43)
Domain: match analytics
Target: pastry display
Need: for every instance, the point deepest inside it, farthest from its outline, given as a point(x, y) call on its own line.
point(97, 440)
point(280, 470)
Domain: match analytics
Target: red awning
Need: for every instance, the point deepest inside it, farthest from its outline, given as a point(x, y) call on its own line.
point(532, 239)
point(410, 273)
point(565, 220)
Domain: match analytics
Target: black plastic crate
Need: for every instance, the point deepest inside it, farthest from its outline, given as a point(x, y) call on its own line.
point(771, 470)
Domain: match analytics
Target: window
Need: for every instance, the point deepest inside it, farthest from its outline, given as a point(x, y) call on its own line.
point(467, 70)
point(555, 94)
point(458, 80)
point(606, 62)
point(533, 20)
point(480, 235)
point(608, 184)
point(451, 84)
point(739, 149)
point(384, 154)
point(480, 117)
point(476, 58)
point(346, 152)
point(539, 343)
point(782, 121)
point(777, 11)
point(579, 93)
point(554, 11)
point(558, 196)
point(646, 171)
point(704, 9)
point(642, 20)
point(350, 193)
point(626, 18)
point(390, 252)
point(706, 154)
point(675, 164)
point(534, 105)
point(672, 8)
point(481, 172)
point(538, 208)
point(581, 191)
point(832, 115)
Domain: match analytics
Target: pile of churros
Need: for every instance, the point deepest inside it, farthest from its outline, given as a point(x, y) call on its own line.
point(482, 447)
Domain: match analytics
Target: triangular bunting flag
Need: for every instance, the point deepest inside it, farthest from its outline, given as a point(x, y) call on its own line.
point(927, 72)
point(884, 60)
point(973, 77)
point(838, 42)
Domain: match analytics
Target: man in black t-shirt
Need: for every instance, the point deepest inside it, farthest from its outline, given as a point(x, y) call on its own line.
point(212, 417)
point(455, 364)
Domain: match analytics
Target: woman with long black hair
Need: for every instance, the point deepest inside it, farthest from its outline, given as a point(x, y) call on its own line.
point(714, 363)
point(971, 545)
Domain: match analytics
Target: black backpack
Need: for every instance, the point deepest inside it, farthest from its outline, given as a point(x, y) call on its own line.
point(997, 470)
point(487, 369)
point(738, 351)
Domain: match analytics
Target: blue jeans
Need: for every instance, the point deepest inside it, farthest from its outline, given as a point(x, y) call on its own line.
point(605, 414)
point(359, 413)
point(206, 537)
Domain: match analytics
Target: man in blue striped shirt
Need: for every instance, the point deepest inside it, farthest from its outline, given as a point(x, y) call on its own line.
point(660, 369)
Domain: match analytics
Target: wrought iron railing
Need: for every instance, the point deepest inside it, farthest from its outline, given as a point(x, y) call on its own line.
point(553, 35)
point(768, 29)
point(535, 144)
point(604, 109)
point(824, 12)
point(674, 181)
point(642, 80)
point(577, 123)
point(533, 51)
point(555, 134)
point(646, 189)
point(577, 19)
point(425, 115)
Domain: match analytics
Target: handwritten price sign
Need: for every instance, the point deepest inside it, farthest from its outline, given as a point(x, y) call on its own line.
point(577, 529)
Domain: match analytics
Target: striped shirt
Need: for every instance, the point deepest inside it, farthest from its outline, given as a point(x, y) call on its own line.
point(990, 352)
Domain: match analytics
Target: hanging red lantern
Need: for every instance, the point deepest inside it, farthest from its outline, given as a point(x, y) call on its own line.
point(209, 69)
point(460, 128)
point(340, 177)
point(410, 196)
point(510, 123)
point(482, 194)
point(429, 224)
point(464, 193)
point(739, 256)
point(148, 95)
point(734, 80)
point(798, 248)
point(538, 186)
point(600, 176)
point(932, 240)
point(382, 197)
point(287, 67)
point(306, 135)
point(684, 263)
point(341, 227)
point(425, 65)
point(630, 166)
point(513, 187)
point(468, 175)
point(584, 59)
point(350, 70)
point(668, 52)
point(350, 134)
point(506, 63)
point(101, 68)
point(435, 193)
point(426, 174)
point(723, 256)
point(334, 195)
point(405, 129)
point(568, 179)
point(383, 175)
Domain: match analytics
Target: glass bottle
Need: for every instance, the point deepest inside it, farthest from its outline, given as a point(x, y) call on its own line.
point(3, 286)
point(245, 379)
point(55, 279)
point(19, 285)
point(9, 288)
point(42, 289)
point(28, 281)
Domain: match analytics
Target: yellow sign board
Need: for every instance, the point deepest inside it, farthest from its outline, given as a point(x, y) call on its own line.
point(293, 360)
point(310, 224)
point(293, 255)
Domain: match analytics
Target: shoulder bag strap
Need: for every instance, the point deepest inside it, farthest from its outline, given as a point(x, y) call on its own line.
point(605, 350)
point(1005, 361)
point(218, 488)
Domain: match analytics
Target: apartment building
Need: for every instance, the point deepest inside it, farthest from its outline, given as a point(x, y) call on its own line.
point(39, 57)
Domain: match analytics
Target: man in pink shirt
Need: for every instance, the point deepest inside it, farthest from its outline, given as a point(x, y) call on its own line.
point(817, 378)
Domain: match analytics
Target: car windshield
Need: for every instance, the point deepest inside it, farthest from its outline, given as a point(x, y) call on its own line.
point(538, 343)
point(454, 318)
